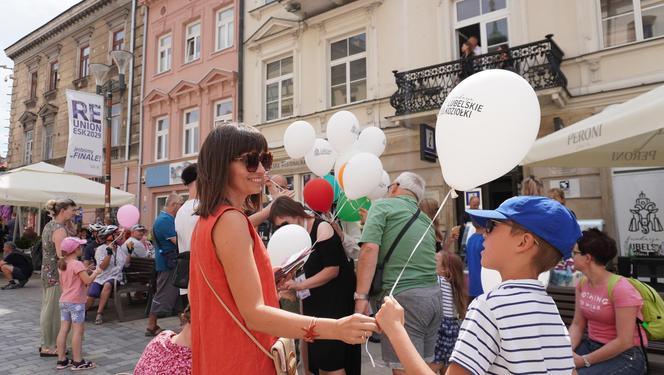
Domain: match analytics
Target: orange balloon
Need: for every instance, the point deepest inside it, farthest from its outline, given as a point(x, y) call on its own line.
point(341, 175)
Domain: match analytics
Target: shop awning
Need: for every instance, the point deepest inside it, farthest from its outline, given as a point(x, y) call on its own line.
point(630, 134)
point(33, 185)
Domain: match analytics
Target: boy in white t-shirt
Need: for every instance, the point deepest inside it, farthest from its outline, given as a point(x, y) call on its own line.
point(515, 328)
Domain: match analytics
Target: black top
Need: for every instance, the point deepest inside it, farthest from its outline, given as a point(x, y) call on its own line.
point(335, 298)
point(20, 261)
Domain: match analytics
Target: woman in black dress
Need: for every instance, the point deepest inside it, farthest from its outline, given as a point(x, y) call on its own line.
point(330, 280)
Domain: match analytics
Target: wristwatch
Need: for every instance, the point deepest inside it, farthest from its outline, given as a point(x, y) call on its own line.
point(586, 363)
point(357, 296)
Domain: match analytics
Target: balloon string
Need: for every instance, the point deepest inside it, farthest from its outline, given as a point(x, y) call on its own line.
point(366, 348)
point(426, 231)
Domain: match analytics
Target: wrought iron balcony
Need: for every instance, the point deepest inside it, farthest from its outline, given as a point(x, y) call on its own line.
point(426, 88)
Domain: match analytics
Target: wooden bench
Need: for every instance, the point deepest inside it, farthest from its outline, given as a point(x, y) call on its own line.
point(140, 278)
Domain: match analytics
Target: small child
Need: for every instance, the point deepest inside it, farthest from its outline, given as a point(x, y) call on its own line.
point(455, 301)
point(73, 281)
point(515, 328)
point(168, 353)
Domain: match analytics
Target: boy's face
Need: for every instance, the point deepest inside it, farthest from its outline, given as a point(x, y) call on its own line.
point(500, 245)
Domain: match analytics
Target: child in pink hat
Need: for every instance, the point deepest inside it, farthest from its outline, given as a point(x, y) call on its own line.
point(73, 281)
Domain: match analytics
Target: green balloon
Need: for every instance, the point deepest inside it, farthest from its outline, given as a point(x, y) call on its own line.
point(350, 210)
point(335, 186)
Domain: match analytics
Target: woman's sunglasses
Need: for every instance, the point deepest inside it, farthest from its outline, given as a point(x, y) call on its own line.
point(252, 159)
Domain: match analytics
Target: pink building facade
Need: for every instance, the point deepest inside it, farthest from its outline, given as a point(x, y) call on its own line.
point(191, 75)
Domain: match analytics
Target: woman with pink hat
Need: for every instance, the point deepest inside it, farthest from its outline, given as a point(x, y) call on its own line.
point(73, 281)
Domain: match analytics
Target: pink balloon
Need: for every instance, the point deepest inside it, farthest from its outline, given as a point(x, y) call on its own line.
point(128, 215)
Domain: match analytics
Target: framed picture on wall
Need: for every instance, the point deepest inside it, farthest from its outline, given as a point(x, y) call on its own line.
point(468, 195)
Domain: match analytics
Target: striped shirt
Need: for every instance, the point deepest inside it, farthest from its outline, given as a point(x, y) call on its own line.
point(514, 329)
point(448, 298)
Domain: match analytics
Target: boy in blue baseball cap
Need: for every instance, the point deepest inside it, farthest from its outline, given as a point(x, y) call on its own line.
point(515, 328)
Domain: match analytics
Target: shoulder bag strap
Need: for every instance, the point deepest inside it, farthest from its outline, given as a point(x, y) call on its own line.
point(242, 327)
point(396, 240)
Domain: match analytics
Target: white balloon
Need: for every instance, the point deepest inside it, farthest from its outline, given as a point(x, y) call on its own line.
point(344, 158)
point(286, 241)
point(342, 130)
point(491, 278)
point(362, 175)
point(489, 121)
point(372, 139)
point(320, 159)
point(299, 139)
point(381, 190)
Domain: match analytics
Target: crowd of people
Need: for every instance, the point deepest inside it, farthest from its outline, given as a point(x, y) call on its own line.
point(429, 316)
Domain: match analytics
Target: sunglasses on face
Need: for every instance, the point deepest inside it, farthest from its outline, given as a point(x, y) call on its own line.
point(252, 159)
point(491, 224)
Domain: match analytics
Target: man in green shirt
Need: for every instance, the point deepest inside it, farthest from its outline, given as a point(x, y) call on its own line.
point(417, 291)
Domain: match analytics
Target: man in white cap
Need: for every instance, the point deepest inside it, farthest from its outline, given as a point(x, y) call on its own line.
point(134, 245)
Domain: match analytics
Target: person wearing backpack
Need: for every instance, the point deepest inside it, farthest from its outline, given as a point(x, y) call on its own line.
point(613, 344)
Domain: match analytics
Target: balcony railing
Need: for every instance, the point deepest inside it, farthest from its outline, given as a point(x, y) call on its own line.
point(426, 88)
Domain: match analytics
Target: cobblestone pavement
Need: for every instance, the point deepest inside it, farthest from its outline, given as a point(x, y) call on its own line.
point(115, 347)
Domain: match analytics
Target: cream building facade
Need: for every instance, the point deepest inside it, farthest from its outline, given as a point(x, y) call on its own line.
point(312, 58)
point(55, 58)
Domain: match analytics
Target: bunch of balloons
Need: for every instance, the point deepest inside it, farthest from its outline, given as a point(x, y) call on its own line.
point(358, 172)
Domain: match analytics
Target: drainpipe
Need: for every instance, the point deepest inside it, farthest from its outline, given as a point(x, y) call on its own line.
point(130, 92)
point(139, 181)
point(240, 62)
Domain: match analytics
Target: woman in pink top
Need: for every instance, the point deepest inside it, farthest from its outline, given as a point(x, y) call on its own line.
point(613, 345)
point(73, 281)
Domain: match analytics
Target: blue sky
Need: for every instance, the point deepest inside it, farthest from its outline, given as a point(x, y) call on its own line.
point(17, 19)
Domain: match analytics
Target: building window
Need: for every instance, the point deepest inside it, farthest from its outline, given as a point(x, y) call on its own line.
point(486, 20)
point(279, 89)
point(33, 84)
point(83, 61)
point(192, 43)
point(164, 54)
point(348, 70)
point(49, 140)
point(223, 112)
point(625, 21)
point(116, 111)
point(118, 40)
point(53, 77)
point(190, 127)
point(27, 147)
point(160, 203)
point(225, 21)
point(161, 139)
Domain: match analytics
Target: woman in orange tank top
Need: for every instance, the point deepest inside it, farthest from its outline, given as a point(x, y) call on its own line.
point(228, 252)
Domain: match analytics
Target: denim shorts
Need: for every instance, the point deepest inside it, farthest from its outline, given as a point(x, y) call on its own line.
point(72, 312)
point(629, 362)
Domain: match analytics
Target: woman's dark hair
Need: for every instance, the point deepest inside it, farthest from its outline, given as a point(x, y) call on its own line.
point(285, 206)
point(221, 146)
point(599, 245)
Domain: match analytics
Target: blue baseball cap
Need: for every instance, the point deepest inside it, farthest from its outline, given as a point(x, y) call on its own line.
point(544, 217)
